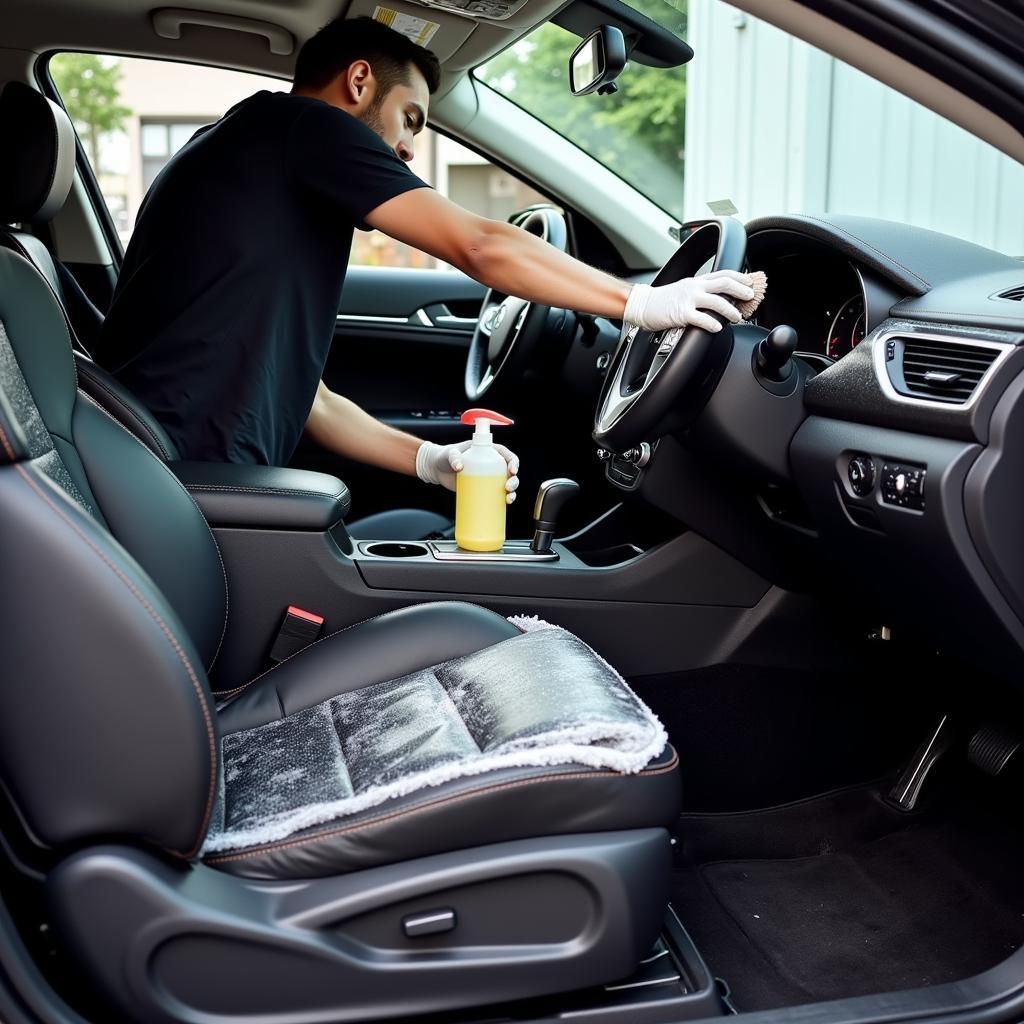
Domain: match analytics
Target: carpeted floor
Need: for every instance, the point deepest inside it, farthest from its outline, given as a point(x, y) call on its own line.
point(841, 896)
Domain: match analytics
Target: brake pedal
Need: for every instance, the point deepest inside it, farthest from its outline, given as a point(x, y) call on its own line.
point(991, 749)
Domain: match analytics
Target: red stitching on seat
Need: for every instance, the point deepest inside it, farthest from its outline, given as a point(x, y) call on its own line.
point(7, 445)
point(289, 844)
point(182, 657)
point(181, 487)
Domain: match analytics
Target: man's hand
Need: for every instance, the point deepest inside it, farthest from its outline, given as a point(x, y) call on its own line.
point(680, 304)
point(438, 464)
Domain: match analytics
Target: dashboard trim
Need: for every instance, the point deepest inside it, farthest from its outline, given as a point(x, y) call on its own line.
point(878, 343)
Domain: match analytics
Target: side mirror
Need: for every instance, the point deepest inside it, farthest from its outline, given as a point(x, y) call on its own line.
point(597, 62)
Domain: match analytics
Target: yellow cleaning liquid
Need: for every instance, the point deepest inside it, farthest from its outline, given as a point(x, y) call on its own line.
point(479, 512)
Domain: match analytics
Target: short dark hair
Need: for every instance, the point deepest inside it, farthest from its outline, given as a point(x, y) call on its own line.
point(341, 42)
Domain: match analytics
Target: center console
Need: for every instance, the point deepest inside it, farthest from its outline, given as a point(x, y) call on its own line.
point(649, 596)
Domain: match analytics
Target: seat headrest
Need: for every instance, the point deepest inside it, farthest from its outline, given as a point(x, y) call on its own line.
point(39, 156)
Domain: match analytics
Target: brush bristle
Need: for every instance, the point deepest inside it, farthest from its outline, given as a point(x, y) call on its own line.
point(759, 282)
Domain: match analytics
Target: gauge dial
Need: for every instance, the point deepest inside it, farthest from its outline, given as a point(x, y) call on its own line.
point(846, 331)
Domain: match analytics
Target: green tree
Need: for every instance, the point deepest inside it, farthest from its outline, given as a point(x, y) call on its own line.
point(637, 131)
point(88, 85)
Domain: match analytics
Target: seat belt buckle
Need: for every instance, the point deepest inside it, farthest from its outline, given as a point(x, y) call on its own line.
point(299, 629)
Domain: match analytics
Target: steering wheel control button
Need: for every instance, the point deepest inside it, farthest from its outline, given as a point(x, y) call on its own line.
point(433, 922)
point(903, 486)
point(861, 474)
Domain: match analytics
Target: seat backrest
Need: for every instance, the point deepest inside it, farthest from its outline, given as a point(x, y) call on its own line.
point(35, 180)
point(114, 599)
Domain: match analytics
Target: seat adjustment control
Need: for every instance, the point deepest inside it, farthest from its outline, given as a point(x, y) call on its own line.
point(861, 473)
point(431, 922)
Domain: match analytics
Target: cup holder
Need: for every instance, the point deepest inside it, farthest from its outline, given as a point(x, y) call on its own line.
point(396, 549)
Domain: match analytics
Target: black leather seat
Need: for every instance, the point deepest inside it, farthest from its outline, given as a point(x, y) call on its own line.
point(35, 181)
point(109, 734)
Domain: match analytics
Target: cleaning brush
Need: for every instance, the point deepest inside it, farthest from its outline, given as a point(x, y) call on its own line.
point(759, 282)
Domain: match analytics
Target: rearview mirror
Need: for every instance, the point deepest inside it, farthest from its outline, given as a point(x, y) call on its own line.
point(597, 62)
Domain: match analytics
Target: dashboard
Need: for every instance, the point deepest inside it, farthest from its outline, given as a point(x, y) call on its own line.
point(889, 466)
point(817, 292)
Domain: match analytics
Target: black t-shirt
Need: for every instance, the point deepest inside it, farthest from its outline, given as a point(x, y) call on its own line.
point(225, 308)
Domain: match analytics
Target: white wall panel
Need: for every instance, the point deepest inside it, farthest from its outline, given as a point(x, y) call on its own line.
point(780, 127)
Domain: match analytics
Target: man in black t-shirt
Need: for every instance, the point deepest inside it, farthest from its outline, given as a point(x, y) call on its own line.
point(226, 303)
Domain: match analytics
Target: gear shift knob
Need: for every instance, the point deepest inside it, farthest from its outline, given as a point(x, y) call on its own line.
point(551, 498)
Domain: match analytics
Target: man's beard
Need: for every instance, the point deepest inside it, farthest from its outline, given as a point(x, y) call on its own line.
point(372, 118)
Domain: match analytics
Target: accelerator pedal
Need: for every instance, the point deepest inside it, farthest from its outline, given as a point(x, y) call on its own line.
point(905, 794)
point(991, 749)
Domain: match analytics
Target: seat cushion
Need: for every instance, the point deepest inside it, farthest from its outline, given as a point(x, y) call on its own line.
point(401, 524)
point(385, 647)
point(526, 736)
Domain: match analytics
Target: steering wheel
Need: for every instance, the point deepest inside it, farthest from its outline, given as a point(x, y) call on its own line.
point(510, 329)
point(659, 380)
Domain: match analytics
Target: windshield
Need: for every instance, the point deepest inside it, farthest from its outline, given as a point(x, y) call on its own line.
point(637, 132)
point(771, 124)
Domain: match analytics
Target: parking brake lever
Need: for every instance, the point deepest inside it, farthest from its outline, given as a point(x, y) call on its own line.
point(551, 498)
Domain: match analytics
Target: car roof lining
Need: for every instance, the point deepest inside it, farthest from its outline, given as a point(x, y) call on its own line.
point(126, 27)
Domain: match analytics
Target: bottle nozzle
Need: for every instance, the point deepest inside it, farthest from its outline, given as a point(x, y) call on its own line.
point(483, 420)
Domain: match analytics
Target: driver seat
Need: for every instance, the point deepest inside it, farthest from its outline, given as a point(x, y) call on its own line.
point(127, 791)
point(37, 177)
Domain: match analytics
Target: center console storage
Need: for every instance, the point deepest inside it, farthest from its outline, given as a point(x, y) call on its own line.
point(264, 497)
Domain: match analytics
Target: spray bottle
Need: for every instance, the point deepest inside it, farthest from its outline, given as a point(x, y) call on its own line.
point(480, 486)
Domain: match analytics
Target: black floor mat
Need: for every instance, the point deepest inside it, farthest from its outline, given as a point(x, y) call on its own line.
point(930, 903)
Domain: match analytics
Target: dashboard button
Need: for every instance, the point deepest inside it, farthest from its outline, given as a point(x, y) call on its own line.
point(903, 486)
point(861, 474)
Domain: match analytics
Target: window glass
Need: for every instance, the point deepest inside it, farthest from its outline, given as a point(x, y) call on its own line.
point(771, 124)
point(637, 132)
point(154, 140)
point(134, 114)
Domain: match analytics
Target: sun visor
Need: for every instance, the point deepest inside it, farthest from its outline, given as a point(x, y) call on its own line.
point(647, 42)
point(437, 30)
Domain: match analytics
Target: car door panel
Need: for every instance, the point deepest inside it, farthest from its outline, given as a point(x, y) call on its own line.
point(399, 352)
point(401, 340)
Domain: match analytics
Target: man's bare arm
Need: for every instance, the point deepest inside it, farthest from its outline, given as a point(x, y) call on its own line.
point(338, 424)
point(499, 255)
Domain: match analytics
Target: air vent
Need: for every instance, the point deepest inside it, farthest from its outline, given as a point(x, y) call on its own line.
point(1013, 294)
point(943, 371)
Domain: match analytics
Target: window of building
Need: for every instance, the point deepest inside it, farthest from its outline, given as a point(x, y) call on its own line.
point(134, 114)
point(160, 140)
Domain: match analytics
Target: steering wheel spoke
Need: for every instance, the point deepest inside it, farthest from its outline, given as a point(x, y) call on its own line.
point(487, 317)
point(661, 380)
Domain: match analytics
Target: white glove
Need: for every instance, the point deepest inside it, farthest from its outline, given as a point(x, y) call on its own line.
point(656, 308)
point(438, 464)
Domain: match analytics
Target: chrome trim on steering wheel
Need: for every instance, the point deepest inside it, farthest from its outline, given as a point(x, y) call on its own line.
point(616, 403)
